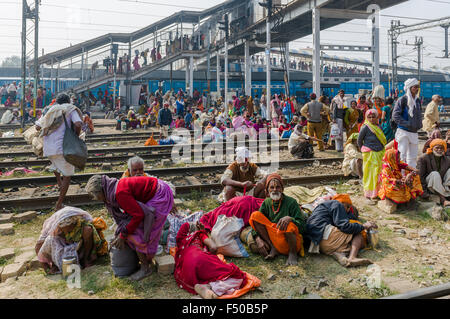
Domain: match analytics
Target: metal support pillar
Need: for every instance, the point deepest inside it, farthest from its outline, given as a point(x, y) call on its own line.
point(191, 75)
point(36, 54)
point(52, 87)
point(419, 44)
point(24, 58)
point(268, 70)
point(375, 50)
point(316, 50)
point(248, 70)
point(208, 73)
point(218, 73)
point(128, 66)
point(187, 76)
point(226, 76)
point(82, 65)
point(446, 56)
point(288, 67)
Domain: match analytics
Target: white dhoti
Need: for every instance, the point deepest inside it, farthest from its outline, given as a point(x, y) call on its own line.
point(408, 146)
point(339, 141)
point(436, 184)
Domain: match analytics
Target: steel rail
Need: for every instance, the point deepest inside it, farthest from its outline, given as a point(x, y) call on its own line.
point(155, 148)
point(433, 292)
point(124, 158)
point(173, 171)
point(23, 204)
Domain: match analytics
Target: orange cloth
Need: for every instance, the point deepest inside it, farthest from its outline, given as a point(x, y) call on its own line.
point(274, 176)
point(100, 225)
point(343, 198)
point(435, 142)
point(391, 172)
point(363, 233)
point(127, 174)
point(87, 120)
point(277, 237)
point(151, 141)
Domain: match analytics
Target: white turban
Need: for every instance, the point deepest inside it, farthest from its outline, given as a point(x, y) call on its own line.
point(411, 101)
point(242, 153)
point(379, 92)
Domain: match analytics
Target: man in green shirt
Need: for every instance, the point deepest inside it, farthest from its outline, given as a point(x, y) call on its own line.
point(279, 223)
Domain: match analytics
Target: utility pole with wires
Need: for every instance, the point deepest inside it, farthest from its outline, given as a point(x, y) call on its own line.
point(33, 15)
point(397, 29)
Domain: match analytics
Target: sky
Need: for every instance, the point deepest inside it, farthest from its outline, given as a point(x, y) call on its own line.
point(63, 23)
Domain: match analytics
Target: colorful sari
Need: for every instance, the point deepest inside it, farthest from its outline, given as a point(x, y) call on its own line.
point(392, 171)
point(56, 245)
point(386, 124)
point(194, 264)
point(372, 162)
point(351, 121)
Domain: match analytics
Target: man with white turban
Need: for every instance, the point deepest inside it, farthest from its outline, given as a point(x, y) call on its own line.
point(408, 117)
point(242, 178)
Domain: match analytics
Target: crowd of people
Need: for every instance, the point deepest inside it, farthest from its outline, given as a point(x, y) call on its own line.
point(381, 149)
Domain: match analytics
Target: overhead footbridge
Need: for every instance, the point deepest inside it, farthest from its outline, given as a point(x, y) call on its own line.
point(191, 39)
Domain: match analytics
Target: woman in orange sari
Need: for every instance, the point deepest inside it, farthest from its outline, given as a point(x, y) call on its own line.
point(396, 187)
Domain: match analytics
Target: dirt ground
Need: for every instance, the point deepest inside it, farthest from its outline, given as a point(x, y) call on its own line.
point(414, 251)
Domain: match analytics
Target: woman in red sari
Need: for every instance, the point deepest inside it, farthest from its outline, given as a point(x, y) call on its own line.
point(199, 270)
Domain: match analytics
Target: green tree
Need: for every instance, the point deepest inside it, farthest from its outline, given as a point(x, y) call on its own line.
point(12, 61)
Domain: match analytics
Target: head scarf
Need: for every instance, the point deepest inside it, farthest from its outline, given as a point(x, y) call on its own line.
point(352, 137)
point(411, 101)
point(375, 129)
point(242, 153)
point(272, 177)
point(437, 142)
point(391, 159)
point(343, 198)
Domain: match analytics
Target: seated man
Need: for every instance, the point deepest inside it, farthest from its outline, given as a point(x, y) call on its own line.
point(135, 167)
point(240, 177)
point(353, 162)
point(299, 144)
point(334, 230)
point(278, 225)
point(434, 171)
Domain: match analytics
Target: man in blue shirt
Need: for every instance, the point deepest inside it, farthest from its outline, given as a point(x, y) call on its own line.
point(407, 114)
point(180, 106)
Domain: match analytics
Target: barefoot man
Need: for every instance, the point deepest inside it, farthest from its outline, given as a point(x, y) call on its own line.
point(334, 230)
point(279, 223)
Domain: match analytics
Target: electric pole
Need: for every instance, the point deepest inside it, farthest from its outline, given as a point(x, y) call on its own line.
point(226, 28)
point(29, 14)
point(268, 5)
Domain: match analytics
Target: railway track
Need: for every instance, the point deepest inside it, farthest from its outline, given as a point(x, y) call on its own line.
point(124, 158)
point(149, 149)
point(180, 177)
point(433, 292)
point(93, 138)
point(162, 172)
point(38, 203)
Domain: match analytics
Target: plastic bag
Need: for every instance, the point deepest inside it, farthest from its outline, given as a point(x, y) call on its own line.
point(74, 149)
point(334, 131)
point(38, 146)
point(124, 262)
point(225, 234)
point(29, 134)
